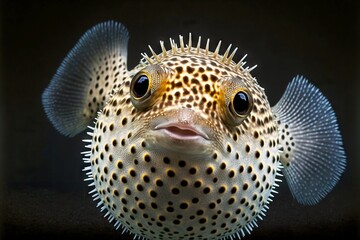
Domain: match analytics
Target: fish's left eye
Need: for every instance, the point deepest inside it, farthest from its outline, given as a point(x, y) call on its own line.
point(237, 101)
point(241, 103)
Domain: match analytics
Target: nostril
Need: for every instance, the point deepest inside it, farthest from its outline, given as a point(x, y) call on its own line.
point(186, 115)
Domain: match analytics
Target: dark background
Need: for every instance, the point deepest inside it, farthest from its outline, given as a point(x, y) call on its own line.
point(42, 193)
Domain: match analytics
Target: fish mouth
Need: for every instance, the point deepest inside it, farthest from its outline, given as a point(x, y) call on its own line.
point(181, 131)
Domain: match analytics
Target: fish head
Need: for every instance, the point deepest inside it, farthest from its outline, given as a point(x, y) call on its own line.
point(195, 101)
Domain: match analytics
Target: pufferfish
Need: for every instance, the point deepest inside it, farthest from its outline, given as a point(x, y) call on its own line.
point(186, 145)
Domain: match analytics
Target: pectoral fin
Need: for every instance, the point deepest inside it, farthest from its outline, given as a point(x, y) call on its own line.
point(313, 154)
point(82, 83)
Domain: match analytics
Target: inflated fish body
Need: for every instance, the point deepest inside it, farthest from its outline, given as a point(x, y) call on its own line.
point(186, 145)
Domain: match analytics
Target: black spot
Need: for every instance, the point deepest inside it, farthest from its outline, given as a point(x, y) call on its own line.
point(212, 205)
point(192, 171)
point(197, 184)
point(171, 173)
point(195, 200)
point(133, 173)
point(124, 180)
point(253, 177)
point(114, 176)
point(261, 166)
point(184, 205)
point(199, 212)
point(182, 163)
point(228, 148)
point(153, 194)
point(141, 205)
point(166, 160)
point(184, 183)
point(223, 165)
point(147, 158)
point(175, 191)
point(124, 121)
point(146, 178)
point(133, 150)
point(159, 183)
point(206, 190)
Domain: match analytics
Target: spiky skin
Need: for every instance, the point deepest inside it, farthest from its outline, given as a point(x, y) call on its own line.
point(209, 191)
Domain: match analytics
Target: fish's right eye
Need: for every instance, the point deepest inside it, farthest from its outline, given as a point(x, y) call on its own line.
point(146, 86)
point(141, 86)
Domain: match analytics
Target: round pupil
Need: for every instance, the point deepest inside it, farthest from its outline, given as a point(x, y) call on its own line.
point(141, 86)
point(241, 103)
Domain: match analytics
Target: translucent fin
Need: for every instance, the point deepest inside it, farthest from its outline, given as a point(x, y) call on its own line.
point(82, 83)
point(313, 153)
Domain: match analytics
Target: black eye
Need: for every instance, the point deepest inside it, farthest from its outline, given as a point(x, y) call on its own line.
point(141, 86)
point(241, 103)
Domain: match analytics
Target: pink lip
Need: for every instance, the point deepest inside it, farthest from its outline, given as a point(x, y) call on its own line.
point(181, 131)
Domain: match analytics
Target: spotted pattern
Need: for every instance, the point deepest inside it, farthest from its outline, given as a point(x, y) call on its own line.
point(106, 75)
point(287, 144)
point(157, 193)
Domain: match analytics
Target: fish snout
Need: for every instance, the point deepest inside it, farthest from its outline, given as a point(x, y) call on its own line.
point(182, 129)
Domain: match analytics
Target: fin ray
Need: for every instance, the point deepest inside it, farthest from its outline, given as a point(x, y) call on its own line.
point(91, 70)
point(313, 155)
